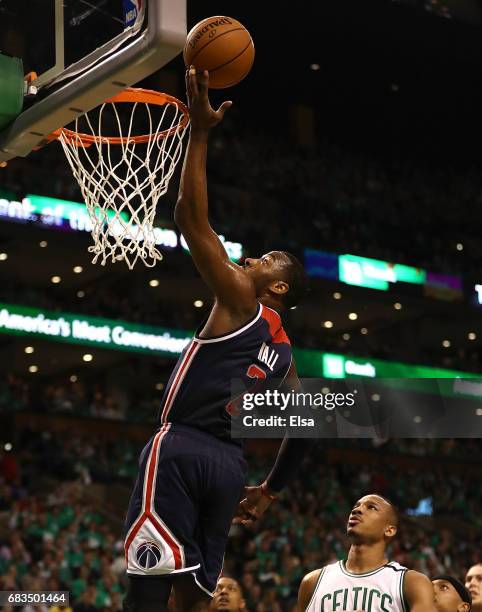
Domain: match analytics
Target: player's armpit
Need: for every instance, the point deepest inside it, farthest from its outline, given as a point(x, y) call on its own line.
point(307, 588)
point(419, 593)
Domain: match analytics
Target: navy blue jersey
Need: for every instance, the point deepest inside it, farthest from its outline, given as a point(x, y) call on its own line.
point(199, 390)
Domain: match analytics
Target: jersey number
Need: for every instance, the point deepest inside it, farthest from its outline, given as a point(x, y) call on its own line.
point(255, 372)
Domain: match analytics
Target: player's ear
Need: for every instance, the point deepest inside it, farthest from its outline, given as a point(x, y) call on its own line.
point(279, 287)
point(391, 531)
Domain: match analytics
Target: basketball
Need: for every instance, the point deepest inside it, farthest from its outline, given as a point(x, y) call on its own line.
point(224, 47)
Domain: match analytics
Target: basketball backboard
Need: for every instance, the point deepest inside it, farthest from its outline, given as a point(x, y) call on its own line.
point(83, 52)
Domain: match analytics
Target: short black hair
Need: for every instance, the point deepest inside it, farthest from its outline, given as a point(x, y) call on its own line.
point(463, 592)
point(395, 509)
point(297, 280)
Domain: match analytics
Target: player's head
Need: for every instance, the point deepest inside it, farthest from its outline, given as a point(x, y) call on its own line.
point(373, 518)
point(451, 595)
point(228, 596)
point(279, 278)
point(473, 582)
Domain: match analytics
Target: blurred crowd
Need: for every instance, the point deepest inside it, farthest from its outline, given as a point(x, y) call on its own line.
point(92, 396)
point(328, 196)
point(138, 306)
point(107, 301)
point(54, 537)
point(59, 543)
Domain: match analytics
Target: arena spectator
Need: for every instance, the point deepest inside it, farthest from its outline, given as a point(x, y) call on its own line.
point(451, 595)
point(473, 582)
point(228, 596)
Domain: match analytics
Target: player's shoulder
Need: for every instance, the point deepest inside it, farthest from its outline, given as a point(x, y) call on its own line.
point(312, 577)
point(414, 581)
point(315, 575)
point(308, 587)
point(275, 325)
point(395, 566)
point(414, 577)
point(418, 590)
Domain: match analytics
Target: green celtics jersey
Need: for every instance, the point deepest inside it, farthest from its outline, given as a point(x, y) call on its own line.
point(378, 591)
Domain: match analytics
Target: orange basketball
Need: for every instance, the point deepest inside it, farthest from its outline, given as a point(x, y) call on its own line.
point(224, 47)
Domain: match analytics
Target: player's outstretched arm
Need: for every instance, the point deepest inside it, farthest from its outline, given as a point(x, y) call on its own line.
point(229, 282)
point(290, 455)
point(419, 593)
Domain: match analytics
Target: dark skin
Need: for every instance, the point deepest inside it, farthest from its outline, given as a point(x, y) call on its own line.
point(370, 527)
point(447, 599)
point(228, 596)
point(237, 289)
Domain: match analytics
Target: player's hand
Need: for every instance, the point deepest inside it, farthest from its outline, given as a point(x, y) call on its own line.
point(252, 507)
point(202, 114)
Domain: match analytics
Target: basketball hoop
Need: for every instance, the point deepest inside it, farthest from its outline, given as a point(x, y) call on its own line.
point(122, 176)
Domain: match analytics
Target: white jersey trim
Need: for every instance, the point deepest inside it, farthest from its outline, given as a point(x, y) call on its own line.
point(182, 570)
point(313, 595)
point(178, 379)
point(233, 334)
point(210, 593)
point(375, 571)
point(402, 593)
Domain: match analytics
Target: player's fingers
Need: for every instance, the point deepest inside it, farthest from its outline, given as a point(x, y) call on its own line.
point(248, 519)
point(203, 82)
point(193, 81)
point(241, 509)
point(189, 85)
point(247, 511)
point(223, 108)
point(244, 519)
point(188, 88)
point(252, 515)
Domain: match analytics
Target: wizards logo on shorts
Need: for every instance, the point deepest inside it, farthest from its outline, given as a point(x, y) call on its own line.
point(148, 555)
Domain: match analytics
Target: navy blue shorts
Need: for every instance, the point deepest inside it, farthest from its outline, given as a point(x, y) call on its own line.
point(184, 499)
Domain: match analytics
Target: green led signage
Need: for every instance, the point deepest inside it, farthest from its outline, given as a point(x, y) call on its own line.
point(73, 216)
point(124, 336)
point(91, 331)
point(377, 274)
point(318, 364)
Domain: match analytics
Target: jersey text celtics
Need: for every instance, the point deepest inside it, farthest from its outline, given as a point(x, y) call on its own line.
point(378, 591)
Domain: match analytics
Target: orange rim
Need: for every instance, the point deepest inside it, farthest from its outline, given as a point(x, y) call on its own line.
point(131, 94)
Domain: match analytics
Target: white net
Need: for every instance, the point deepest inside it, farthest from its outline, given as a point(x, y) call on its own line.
point(123, 177)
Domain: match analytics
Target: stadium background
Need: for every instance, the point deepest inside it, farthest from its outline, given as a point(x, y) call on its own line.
point(357, 132)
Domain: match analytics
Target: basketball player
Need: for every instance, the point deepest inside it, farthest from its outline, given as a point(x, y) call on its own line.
point(228, 596)
point(473, 582)
point(451, 595)
point(192, 474)
point(367, 581)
